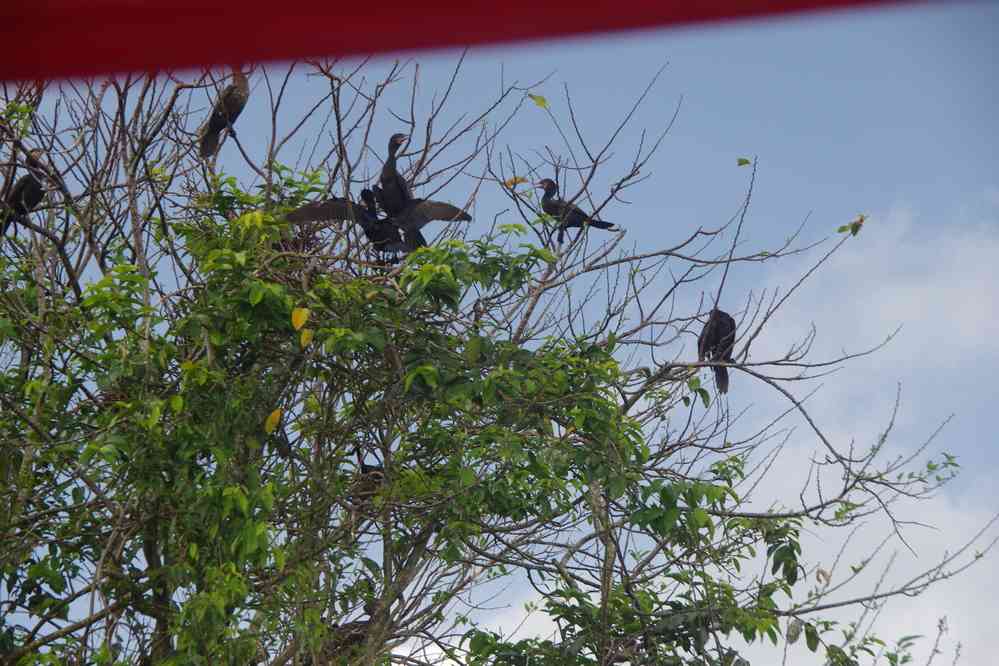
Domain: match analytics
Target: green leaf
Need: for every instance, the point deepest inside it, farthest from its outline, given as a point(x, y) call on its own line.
point(705, 397)
point(473, 349)
point(811, 637)
point(853, 227)
point(466, 477)
point(279, 558)
point(742, 161)
point(376, 338)
point(372, 567)
point(794, 631)
point(257, 291)
point(539, 100)
point(427, 373)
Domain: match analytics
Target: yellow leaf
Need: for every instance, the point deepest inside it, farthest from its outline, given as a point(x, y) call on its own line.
point(539, 100)
point(306, 337)
point(272, 421)
point(299, 316)
point(254, 218)
point(514, 182)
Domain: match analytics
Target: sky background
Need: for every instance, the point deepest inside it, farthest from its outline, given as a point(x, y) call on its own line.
point(887, 112)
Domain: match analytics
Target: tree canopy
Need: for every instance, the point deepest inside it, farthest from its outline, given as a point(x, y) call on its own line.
point(228, 438)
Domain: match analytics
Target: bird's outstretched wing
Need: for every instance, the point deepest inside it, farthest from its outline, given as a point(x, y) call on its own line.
point(421, 213)
point(326, 211)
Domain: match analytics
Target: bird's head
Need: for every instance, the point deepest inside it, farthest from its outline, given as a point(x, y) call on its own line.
point(548, 185)
point(397, 140)
point(368, 197)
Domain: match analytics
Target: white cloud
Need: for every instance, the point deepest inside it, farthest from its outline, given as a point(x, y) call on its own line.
point(936, 280)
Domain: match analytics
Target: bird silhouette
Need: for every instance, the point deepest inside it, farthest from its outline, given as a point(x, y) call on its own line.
point(567, 214)
point(393, 191)
point(25, 195)
point(227, 108)
point(715, 343)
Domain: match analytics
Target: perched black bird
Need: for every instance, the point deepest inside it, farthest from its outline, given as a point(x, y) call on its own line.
point(417, 213)
point(715, 344)
point(566, 213)
point(26, 194)
point(383, 236)
point(227, 108)
point(393, 191)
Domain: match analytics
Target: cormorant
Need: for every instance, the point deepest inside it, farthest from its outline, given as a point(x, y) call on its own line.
point(418, 213)
point(384, 237)
point(716, 342)
point(393, 191)
point(26, 194)
point(567, 214)
point(227, 108)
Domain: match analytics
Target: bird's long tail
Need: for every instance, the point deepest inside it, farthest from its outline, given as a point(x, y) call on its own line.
point(209, 144)
point(600, 224)
point(414, 239)
point(721, 378)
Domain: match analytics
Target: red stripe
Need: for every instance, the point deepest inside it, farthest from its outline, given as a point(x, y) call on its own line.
point(59, 38)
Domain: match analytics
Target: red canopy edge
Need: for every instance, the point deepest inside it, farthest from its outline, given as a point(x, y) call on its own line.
point(43, 39)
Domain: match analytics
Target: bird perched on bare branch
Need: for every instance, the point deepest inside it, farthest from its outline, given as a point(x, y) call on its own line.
point(567, 214)
point(227, 108)
point(25, 195)
point(393, 191)
point(716, 342)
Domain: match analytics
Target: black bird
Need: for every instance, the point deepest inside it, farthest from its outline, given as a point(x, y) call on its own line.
point(716, 342)
point(393, 191)
point(26, 194)
point(383, 236)
point(417, 213)
point(227, 108)
point(567, 214)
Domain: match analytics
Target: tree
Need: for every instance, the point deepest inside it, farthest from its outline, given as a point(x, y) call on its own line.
point(230, 439)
